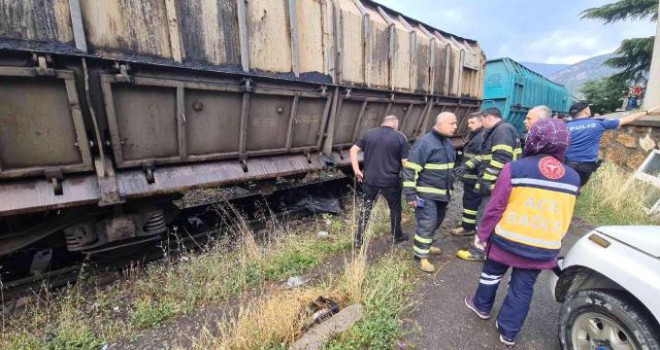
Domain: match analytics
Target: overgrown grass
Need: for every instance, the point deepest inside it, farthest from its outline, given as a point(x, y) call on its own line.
point(386, 286)
point(610, 198)
point(86, 316)
point(277, 319)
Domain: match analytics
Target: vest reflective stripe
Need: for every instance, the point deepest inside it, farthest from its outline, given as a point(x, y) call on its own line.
point(496, 164)
point(545, 183)
point(430, 190)
point(486, 157)
point(536, 242)
point(423, 240)
point(409, 184)
point(413, 166)
point(469, 155)
point(444, 166)
point(470, 176)
point(535, 217)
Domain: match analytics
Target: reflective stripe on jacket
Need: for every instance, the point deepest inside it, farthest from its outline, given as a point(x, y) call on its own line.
point(471, 150)
point(501, 145)
point(428, 170)
point(540, 208)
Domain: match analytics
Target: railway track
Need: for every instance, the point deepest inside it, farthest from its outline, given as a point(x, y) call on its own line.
point(192, 229)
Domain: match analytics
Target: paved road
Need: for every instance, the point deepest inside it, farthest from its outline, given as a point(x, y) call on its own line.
point(445, 323)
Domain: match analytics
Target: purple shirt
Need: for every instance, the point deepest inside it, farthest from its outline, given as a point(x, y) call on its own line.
point(494, 211)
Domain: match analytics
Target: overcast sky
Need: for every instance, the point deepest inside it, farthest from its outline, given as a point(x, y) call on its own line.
point(544, 31)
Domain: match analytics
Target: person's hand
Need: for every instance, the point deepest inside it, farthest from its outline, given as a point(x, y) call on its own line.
point(461, 171)
point(359, 175)
point(484, 187)
point(413, 204)
point(479, 244)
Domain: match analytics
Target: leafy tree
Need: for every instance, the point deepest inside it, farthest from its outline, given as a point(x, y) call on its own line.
point(634, 54)
point(605, 94)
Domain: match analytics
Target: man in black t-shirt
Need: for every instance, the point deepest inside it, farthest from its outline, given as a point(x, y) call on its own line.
point(385, 149)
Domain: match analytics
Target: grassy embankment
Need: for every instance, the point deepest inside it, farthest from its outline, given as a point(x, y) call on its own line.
point(610, 199)
point(86, 316)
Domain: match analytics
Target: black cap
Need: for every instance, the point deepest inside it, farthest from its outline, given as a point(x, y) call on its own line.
point(578, 107)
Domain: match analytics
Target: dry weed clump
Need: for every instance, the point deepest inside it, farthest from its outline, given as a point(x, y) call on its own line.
point(612, 198)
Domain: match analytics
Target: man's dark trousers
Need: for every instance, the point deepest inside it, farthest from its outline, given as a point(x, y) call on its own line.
point(584, 169)
point(471, 202)
point(429, 214)
point(518, 298)
point(393, 197)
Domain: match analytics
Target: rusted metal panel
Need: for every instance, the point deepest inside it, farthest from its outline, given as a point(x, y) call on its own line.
point(41, 124)
point(270, 38)
point(210, 114)
point(351, 44)
point(144, 123)
point(413, 118)
point(117, 26)
point(37, 195)
point(347, 115)
point(268, 123)
point(36, 20)
point(372, 117)
point(186, 177)
point(308, 122)
point(381, 51)
point(31, 195)
point(401, 62)
point(313, 27)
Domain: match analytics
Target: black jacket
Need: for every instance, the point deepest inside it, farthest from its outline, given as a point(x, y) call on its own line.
point(428, 173)
point(471, 150)
point(501, 145)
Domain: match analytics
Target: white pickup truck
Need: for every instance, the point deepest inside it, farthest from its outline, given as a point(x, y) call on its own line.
point(609, 284)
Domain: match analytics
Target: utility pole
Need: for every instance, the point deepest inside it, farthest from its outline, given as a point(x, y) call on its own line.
point(652, 98)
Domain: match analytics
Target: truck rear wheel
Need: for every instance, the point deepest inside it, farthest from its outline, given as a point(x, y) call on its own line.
point(594, 319)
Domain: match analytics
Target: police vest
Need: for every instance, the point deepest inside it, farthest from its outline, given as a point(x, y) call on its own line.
point(540, 208)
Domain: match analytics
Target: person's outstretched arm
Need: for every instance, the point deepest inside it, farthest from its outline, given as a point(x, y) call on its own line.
point(637, 116)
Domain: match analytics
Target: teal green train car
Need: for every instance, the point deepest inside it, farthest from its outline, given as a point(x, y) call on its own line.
point(515, 89)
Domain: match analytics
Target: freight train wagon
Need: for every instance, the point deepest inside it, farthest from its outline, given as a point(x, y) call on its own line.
point(515, 89)
point(110, 109)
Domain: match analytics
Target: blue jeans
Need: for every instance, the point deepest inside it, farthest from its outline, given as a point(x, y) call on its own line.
point(429, 214)
point(518, 299)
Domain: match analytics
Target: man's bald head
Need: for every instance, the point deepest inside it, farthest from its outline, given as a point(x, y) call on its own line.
point(446, 123)
point(392, 121)
point(537, 113)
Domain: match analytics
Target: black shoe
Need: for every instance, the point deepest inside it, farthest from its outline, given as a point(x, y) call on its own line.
point(401, 238)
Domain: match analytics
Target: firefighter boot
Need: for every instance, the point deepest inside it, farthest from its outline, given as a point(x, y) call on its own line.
point(460, 231)
point(435, 251)
point(471, 254)
point(425, 265)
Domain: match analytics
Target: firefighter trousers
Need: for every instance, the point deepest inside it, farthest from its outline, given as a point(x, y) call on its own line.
point(471, 203)
point(429, 215)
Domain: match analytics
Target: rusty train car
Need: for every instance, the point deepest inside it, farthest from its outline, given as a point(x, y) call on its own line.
point(109, 109)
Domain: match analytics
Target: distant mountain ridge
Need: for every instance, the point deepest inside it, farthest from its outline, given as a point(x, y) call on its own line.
point(574, 76)
point(544, 69)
